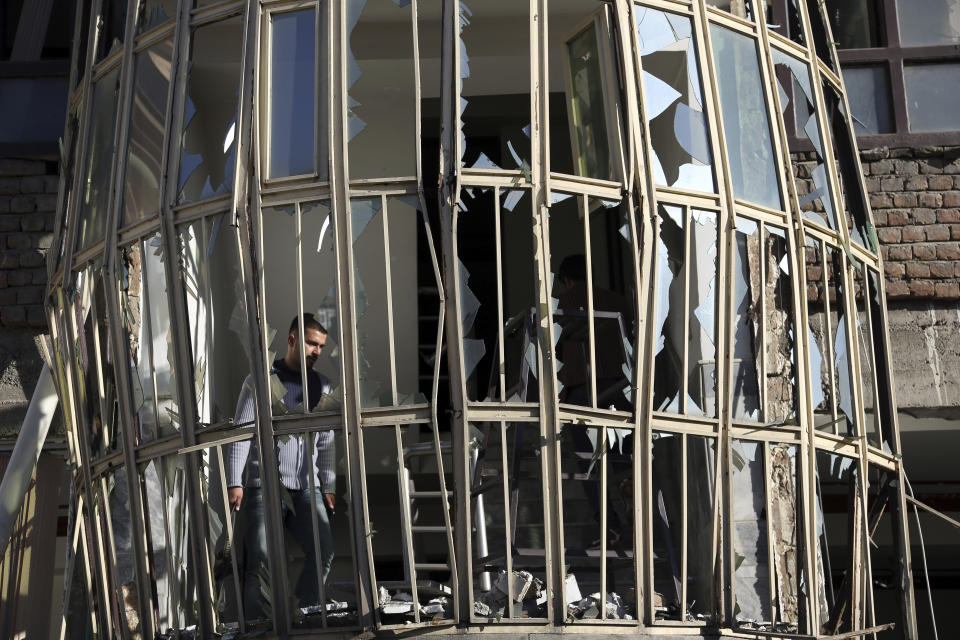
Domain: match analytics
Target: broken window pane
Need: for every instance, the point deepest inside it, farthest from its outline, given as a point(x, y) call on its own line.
point(839, 513)
point(881, 350)
point(685, 354)
point(748, 320)
point(857, 25)
point(822, 44)
point(494, 42)
point(148, 119)
point(318, 272)
point(851, 187)
point(684, 473)
point(381, 109)
point(786, 529)
point(167, 524)
point(293, 93)
point(95, 188)
point(117, 495)
point(928, 22)
point(111, 26)
point(385, 268)
point(818, 345)
point(886, 555)
point(507, 509)
point(868, 91)
point(751, 562)
point(785, 19)
point(208, 139)
point(865, 353)
point(406, 525)
point(739, 8)
point(846, 418)
point(216, 308)
point(495, 236)
point(745, 120)
point(796, 98)
point(597, 499)
point(154, 13)
point(594, 301)
point(584, 123)
point(780, 354)
point(146, 318)
point(673, 101)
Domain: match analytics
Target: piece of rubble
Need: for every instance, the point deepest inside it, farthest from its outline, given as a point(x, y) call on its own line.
point(437, 606)
point(571, 590)
point(521, 581)
point(396, 608)
point(481, 609)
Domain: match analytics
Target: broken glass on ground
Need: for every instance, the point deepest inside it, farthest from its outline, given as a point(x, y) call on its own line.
point(673, 101)
point(507, 514)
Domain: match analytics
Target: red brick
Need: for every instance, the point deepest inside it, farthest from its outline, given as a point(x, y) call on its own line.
point(924, 252)
point(894, 269)
point(955, 231)
point(941, 269)
point(880, 200)
point(897, 289)
point(879, 218)
point(36, 316)
point(893, 184)
point(932, 200)
point(930, 166)
point(13, 316)
point(898, 252)
point(947, 290)
point(924, 216)
point(888, 234)
point(905, 200)
point(897, 218)
point(913, 234)
point(921, 288)
point(948, 215)
point(918, 270)
point(948, 251)
point(937, 232)
point(916, 183)
point(951, 199)
point(873, 184)
point(940, 183)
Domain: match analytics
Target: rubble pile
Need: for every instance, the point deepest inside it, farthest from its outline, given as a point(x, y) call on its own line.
point(588, 608)
point(399, 606)
point(529, 597)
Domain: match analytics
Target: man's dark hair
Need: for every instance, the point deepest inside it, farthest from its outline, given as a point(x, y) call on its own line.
point(573, 267)
point(309, 322)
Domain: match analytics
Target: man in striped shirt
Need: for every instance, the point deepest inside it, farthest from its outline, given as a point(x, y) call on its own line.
point(297, 458)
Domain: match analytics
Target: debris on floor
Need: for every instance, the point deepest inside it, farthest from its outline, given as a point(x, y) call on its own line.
point(529, 597)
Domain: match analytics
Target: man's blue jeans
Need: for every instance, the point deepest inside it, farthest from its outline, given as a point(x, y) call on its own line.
point(297, 522)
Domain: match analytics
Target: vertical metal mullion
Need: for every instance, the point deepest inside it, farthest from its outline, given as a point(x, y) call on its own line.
point(228, 526)
point(771, 557)
point(507, 515)
point(591, 329)
point(829, 335)
point(684, 524)
point(309, 437)
point(107, 542)
point(301, 329)
point(687, 251)
point(499, 258)
point(762, 368)
point(604, 475)
point(388, 281)
point(403, 476)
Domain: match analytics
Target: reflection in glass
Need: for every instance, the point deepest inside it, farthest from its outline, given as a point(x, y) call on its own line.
point(796, 98)
point(111, 25)
point(745, 121)
point(154, 13)
point(215, 305)
point(858, 25)
point(932, 95)
point(292, 93)
point(385, 250)
point(494, 236)
point(148, 119)
point(583, 129)
point(494, 42)
point(596, 471)
point(683, 576)
point(868, 92)
point(928, 22)
point(95, 188)
point(208, 140)
point(381, 107)
point(407, 525)
point(146, 318)
point(508, 521)
point(673, 101)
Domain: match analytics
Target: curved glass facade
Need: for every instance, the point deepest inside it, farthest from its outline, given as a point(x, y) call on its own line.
point(387, 314)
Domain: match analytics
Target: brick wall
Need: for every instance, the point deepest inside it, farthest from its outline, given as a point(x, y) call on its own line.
point(28, 198)
point(915, 196)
